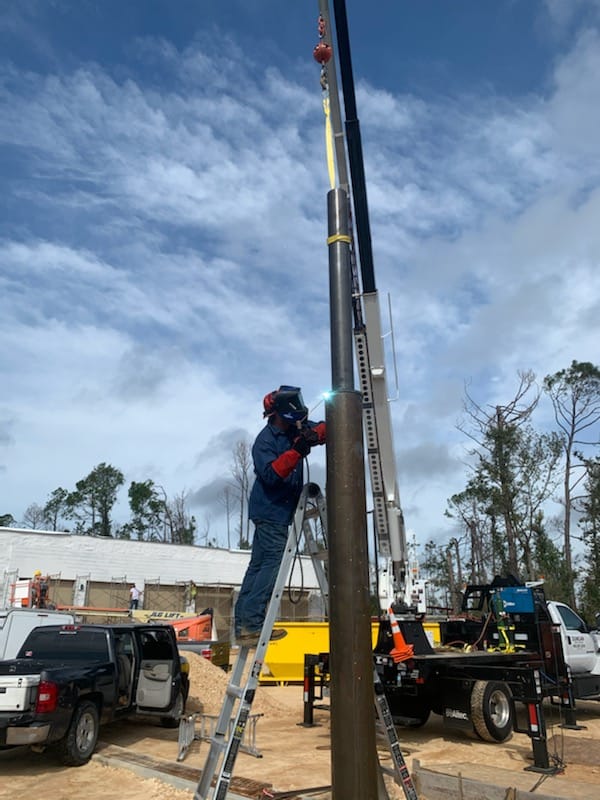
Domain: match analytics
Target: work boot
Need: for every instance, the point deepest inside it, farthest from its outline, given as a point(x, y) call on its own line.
point(252, 638)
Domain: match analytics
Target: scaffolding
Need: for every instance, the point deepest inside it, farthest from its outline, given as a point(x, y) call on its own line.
point(81, 590)
point(7, 587)
point(159, 595)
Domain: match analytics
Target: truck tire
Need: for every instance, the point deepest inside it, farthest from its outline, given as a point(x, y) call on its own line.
point(172, 721)
point(491, 711)
point(79, 743)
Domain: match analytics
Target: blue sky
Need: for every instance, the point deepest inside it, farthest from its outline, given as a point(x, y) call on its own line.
point(163, 219)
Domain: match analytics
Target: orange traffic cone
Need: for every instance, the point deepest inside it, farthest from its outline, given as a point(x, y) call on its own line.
point(401, 651)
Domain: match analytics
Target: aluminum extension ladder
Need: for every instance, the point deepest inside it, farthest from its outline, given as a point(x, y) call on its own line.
point(231, 725)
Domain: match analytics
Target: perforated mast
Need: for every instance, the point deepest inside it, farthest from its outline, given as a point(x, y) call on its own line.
point(394, 577)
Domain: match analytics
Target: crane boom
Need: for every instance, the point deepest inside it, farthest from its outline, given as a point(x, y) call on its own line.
point(397, 581)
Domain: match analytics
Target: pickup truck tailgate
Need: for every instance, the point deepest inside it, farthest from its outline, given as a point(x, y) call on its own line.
point(18, 692)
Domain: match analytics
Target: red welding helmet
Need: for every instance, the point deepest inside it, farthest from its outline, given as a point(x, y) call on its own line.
point(269, 403)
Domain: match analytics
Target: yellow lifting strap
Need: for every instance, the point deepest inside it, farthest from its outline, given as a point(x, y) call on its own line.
point(339, 237)
point(329, 142)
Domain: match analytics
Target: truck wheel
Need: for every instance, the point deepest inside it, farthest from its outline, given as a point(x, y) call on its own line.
point(491, 711)
point(172, 721)
point(80, 740)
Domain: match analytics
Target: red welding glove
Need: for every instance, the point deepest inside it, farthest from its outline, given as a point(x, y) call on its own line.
point(321, 432)
point(284, 465)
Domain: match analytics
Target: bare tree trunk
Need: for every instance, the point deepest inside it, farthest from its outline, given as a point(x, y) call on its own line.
point(240, 470)
point(567, 524)
point(507, 504)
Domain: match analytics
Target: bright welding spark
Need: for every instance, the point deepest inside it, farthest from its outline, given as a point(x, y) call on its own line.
point(323, 398)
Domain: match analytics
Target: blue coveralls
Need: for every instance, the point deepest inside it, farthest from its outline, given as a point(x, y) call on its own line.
point(273, 501)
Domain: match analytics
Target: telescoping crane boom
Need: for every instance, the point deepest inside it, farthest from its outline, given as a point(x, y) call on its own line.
point(398, 581)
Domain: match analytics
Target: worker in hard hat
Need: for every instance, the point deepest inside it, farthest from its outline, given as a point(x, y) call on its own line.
point(39, 590)
point(278, 453)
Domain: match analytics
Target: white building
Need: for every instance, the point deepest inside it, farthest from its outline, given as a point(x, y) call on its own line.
point(97, 559)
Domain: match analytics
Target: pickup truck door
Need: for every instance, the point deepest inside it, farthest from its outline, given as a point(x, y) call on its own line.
point(157, 668)
point(578, 643)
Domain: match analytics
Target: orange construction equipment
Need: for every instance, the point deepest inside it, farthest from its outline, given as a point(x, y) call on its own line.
point(401, 651)
point(194, 629)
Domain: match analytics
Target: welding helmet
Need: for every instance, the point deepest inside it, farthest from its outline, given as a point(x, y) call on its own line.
point(287, 402)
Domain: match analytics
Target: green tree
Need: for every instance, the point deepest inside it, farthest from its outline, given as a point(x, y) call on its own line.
point(551, 566)
point(496, 432)
point(147, 512)
point(6, 520)
point(471, 509)
point(515, 473)
point(434, 569)
point(575, 396)
point(56, 508)
point(536, 461)
point(91, 503)
point(589, 522)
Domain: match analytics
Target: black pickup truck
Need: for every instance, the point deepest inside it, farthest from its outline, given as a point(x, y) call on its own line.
point(67, 680)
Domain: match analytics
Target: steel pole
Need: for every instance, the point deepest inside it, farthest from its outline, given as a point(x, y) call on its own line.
point(354, 768)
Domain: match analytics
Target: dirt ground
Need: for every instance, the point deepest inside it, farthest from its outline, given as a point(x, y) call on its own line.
point(297, 757)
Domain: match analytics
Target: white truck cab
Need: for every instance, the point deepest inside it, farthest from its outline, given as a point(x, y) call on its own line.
point(581, 646)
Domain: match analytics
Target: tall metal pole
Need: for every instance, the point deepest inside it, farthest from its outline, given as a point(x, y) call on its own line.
point(353, 746)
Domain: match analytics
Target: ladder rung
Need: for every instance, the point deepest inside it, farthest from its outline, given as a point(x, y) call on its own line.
point(311, 513)
point(234, 691)
point(220, 742)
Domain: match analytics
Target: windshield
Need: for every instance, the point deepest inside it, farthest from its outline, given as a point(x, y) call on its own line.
point(571, 620)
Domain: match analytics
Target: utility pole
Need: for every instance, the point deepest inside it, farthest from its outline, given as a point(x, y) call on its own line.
point(353, 746)
point(354, 763)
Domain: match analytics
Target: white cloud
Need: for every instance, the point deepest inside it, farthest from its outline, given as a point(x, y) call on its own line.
point(164, 264)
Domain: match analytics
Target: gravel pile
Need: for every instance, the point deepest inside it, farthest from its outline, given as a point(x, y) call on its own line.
point(207, 690)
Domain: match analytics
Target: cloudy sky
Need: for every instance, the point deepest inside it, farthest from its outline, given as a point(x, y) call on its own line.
point(163, 219)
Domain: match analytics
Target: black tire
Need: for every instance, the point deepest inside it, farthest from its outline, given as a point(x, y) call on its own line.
point(79, 743)
point(172, 721)
point(491, 711)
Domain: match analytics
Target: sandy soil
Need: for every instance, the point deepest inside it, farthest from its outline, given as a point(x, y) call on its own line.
point(293, 756)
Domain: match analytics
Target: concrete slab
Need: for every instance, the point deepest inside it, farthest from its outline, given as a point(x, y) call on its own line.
point(478, 782)
point(177, 775)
